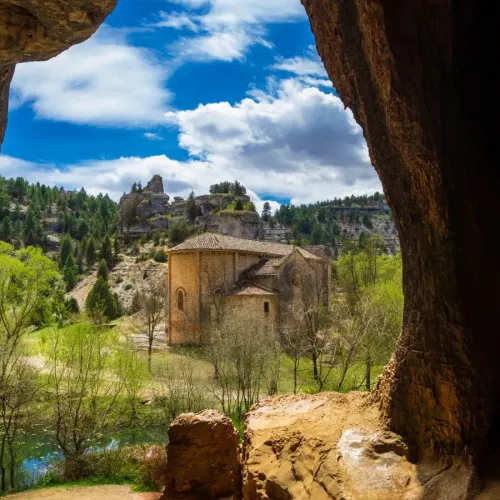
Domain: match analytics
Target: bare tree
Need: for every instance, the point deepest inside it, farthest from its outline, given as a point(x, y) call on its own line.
point(152, 313)
point(85, 385)
point(244, 349)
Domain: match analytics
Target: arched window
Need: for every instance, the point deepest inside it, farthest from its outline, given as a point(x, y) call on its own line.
point(180, 300)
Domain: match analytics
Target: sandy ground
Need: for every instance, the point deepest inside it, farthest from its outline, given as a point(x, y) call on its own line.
point(85, 493)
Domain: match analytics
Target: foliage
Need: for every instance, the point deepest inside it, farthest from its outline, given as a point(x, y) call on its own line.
point(86, 382)
point(101, 303)
point(192, 209)
point(266, 211)
point(179, 233)
point(160, 256)
point(106, 252)
point(77, 213)
point(70, 273)
point(234, 188)
point(90, 253)
point(142, 466)
point(102, 270)
point(28, 280)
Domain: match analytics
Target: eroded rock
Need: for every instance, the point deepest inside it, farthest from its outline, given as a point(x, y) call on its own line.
point(332, 446)
point(203, 461)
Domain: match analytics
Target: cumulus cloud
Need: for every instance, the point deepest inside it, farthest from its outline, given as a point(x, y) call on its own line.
point(290, 141)
point(104, 81)
point(296, 142)
point(227, 28)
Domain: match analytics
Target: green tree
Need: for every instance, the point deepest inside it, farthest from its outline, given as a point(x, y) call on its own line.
point(192, 209)
point(101, 302)
point(6, 229)
point(266, 211)
point(65, 249)
point(116, 246)
point(106, 252)
point(179, 233)
point(90, 253)
point(238, 206)
point(102, 270)
point(70, 273)
point(317, 234)
point(27, 281)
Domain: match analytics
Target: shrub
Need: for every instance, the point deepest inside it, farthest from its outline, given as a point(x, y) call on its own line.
point(72, 305)
point(160, 256)
point(179, 233)
point(142, 466)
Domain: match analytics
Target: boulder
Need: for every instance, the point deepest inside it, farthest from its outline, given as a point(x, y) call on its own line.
point(203, 461)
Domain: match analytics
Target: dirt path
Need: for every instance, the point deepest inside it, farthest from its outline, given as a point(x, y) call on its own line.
point(85, 493)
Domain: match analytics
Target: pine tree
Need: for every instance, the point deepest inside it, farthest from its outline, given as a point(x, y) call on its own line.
point(69, 273)
point(238, 205)
point(101, 301)
point(266, 212)
point(6, 229)
point(65, 249)
point(317, 235)
point(116, 244)
point(106, 252)
point(102, 270)
point(90, 253)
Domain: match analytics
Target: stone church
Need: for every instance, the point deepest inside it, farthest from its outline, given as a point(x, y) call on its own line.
point(267, 280)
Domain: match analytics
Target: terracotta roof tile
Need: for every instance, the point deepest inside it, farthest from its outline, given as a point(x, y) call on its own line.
point(214, 241)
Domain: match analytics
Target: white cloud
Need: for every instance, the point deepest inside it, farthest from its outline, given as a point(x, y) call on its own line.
point(291, 141)
point(103, 81)
point(228, 28)
point(176, 20)
point(152, 136)
point(296, 142)
point(301, 66)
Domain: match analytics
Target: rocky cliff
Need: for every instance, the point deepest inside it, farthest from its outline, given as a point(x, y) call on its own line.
point(149, 210)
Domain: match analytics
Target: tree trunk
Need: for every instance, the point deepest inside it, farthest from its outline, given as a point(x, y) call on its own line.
point(150, 354)
point(420, 78)
point(315, 365)
point(368, 380)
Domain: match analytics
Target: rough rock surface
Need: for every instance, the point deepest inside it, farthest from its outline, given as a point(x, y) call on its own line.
point(155, 185)
point(203, 461)
point(332, 446)
point(36, 30)
point(418, 78)
point(245, 225)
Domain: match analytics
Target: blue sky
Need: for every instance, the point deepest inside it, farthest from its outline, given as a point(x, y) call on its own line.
point(198, 91)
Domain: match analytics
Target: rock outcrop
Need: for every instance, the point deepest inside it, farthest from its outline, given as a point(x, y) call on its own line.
point(203, 461)
point(36, 30)
point(418, 78)
point(333, 446)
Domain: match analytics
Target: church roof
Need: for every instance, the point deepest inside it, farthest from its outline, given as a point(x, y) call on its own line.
point(252, 289)
point(219, 242)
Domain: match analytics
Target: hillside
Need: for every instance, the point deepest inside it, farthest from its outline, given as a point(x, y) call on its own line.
point(227, 209)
